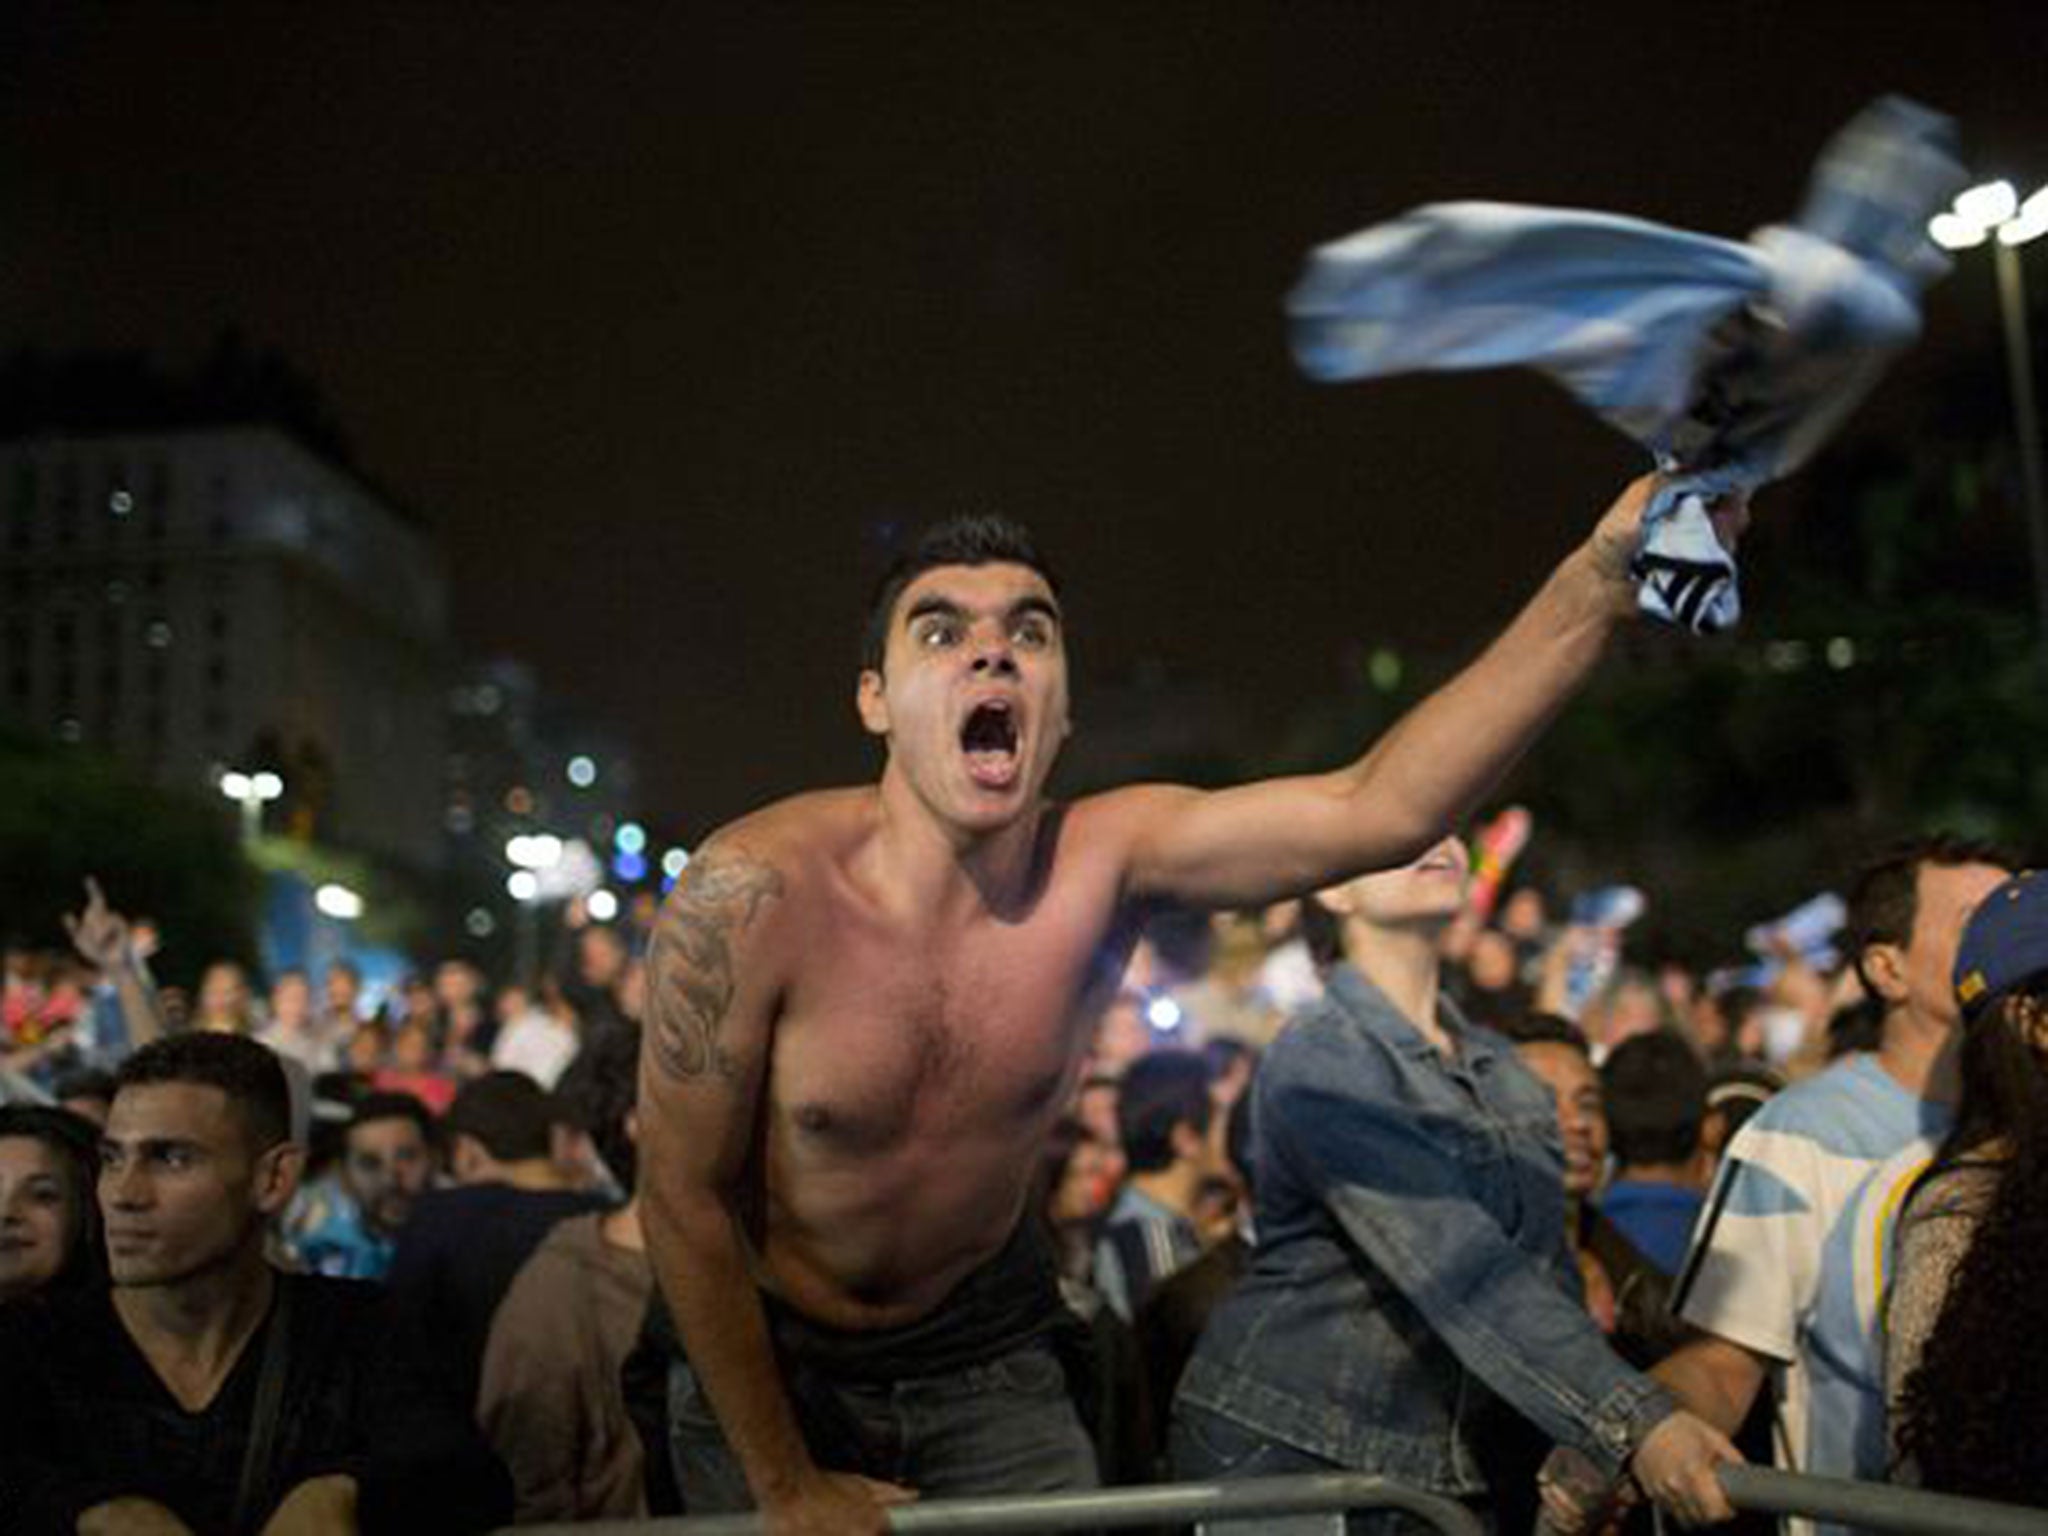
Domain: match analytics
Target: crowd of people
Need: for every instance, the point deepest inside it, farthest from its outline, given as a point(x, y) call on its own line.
point(933, 1140)
point(1509, 1249)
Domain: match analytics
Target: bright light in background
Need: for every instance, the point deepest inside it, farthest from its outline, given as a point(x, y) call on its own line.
point(1163, 1013)
point(674, 862)
point(338, 901)
point(536, 850)
point(522, 885)
point(630, 838)
point(629, 867)
point(1992, 202)
point(603, 906)
point(1953, 232)
point(251, 786)
point(2029, 223)
point(1992, 208)
point(480, 923)
point(582, 772)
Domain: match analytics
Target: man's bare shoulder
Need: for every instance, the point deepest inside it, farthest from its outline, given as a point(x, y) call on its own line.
point(797, 835)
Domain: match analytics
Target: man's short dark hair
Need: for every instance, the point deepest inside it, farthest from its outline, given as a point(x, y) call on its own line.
point(597, 1092)
point(83, 1083)
point(372, 1107)
point(1161, 1089)
point(249, 1074)
point(507, 1112)
point(974, 539)
point(1656, 1095)
point(1884, 901)
point(1546, 1029)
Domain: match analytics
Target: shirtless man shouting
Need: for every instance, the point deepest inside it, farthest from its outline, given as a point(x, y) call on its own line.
point(868, 1006)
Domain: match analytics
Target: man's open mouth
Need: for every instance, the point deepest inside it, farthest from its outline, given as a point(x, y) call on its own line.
point(989, 740)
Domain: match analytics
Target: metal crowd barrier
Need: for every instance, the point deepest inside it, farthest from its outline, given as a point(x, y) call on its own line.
point(1888, 1507)
point(1877, 1507)
point(1221, 1505)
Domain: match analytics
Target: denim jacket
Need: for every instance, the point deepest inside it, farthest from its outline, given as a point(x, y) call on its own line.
point(1412, 1262)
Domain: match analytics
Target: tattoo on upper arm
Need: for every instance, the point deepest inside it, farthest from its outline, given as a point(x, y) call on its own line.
point(690, 962)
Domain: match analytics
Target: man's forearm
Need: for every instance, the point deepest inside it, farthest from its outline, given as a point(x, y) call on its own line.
point(1715, 1379)
point(141, 1012)
point(1443, 757)
point(701, 1268)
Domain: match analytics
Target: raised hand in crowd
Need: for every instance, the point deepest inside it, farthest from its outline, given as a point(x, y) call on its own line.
point(107, 940)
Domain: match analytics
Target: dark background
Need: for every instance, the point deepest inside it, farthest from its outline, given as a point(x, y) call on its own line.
point(667, 318)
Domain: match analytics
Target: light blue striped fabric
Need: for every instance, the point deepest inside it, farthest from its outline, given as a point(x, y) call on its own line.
point(1730, 361)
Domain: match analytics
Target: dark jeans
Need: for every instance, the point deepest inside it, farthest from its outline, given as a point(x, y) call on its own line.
point(1005, 1427)
point(1207, 1447)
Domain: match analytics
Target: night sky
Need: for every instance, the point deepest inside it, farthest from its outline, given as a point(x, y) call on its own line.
point(663, 315)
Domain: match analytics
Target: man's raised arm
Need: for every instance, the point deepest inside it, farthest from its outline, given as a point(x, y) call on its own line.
point(713, 981)
point(1259, 842)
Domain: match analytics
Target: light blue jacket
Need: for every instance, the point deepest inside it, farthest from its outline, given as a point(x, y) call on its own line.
point(1412, 1263)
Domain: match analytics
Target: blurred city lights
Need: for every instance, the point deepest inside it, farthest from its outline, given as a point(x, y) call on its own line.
point(522, 885)
point(603, 906)
point(1163, 1013)
point(338, 901)
point(674, 862)
point(480, 923)
point(535, 850)
point(629, 867)
point(582, 772)
point(630, 838)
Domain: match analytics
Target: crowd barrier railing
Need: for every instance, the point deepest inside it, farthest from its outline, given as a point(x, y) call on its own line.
point(1230, 1508)
point(1237, 1506)
point(1888, 1507)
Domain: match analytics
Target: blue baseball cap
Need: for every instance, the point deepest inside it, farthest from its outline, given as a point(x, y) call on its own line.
point(2005, 942)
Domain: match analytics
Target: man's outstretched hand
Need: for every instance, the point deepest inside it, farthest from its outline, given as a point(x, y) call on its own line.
point(1618, 537)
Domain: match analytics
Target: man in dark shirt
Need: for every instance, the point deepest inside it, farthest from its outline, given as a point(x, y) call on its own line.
point(207, 1391)
point(461, 1247)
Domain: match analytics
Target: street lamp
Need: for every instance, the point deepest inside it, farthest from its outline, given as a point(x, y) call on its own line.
point(530, 853)
point(1993, 212)
point(250, 791)
point(338, 902)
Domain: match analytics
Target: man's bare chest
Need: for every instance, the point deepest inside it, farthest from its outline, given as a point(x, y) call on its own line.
point(886, 1036)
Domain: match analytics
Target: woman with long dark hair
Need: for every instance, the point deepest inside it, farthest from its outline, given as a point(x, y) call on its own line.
point(1967, 1352)
point(49, 1205)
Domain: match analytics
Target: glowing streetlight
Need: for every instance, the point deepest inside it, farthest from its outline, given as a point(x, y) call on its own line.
point(534, 851)
point(339, 902)
point(250, 791)
point(1981, 212)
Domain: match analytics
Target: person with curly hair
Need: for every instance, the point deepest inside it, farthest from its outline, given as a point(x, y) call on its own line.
point(1966, 1366)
